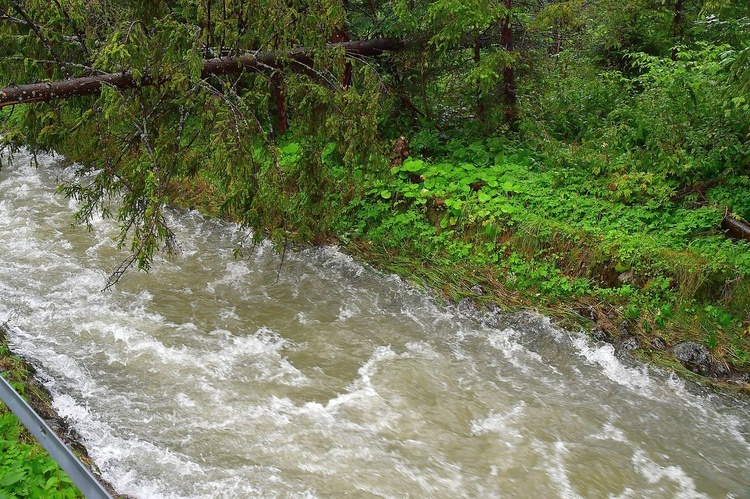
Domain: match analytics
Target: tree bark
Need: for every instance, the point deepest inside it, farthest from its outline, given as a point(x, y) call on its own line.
point(509, 73)
point(736, 229)
point(89, 85)
point(477, 61)
point(279, 97)
point(342, 35)
point(677, 26)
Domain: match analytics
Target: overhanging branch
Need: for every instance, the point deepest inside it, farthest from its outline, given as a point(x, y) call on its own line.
point(89, 85)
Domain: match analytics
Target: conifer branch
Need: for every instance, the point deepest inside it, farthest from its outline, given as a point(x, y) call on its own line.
point(90, 85)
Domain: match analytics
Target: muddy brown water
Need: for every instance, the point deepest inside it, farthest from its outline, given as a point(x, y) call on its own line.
point(208, 378)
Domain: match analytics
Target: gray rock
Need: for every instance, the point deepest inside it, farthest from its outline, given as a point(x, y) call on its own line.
point(600, 334)
point(477, 290)
point(589, 313)
point(694, 357)
point(629, 344)
point(659, 343)
point(492, 308)
point(626, 277)
point(719, 370)
point(492, 315)
point(467, 306)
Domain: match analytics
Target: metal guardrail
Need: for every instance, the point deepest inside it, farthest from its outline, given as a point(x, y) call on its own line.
point(77, 472)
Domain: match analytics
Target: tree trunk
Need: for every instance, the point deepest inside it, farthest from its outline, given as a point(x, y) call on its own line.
point(736, 229)
point(279, 98)
point(509, 73)
point(477, 61)
point(423, 86)
point(89, 85)
point(343, 34)
point(677, 28)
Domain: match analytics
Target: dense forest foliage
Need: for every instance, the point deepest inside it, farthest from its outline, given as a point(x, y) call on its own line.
point(586, 157)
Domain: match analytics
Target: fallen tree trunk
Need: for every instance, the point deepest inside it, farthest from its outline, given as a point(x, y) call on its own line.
point(88, 85)
point(736, 229)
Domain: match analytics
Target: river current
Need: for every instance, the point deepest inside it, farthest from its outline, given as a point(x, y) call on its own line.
point(212, 376)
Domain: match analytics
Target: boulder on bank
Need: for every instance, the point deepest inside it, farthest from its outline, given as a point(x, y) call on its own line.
point(697, 359)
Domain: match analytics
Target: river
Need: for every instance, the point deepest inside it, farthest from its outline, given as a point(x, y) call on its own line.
point(212, 376)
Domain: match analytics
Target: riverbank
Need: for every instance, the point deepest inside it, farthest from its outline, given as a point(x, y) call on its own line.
point(502, 225)
point(26, 470)
point(477, 288)
point(498, 224)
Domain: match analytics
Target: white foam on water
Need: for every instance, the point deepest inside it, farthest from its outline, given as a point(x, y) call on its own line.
point(264, 350)
point(304, 319)
point(423, 350)
point(113, 454)
point(555, 467)
point(334, 258)
point(363, 389)
point(519, 356)
point(610, 432)
point(236, 273)
point(24, 344)
point(119, 456)
point(505, 425)
point(347, 311)
point(184, 400)
point(735, 426)
point(628, 493)
point(656, 474)
point(134, 343)
point(636, 379)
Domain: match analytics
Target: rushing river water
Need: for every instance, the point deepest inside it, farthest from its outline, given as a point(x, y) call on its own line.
point(208, 378)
